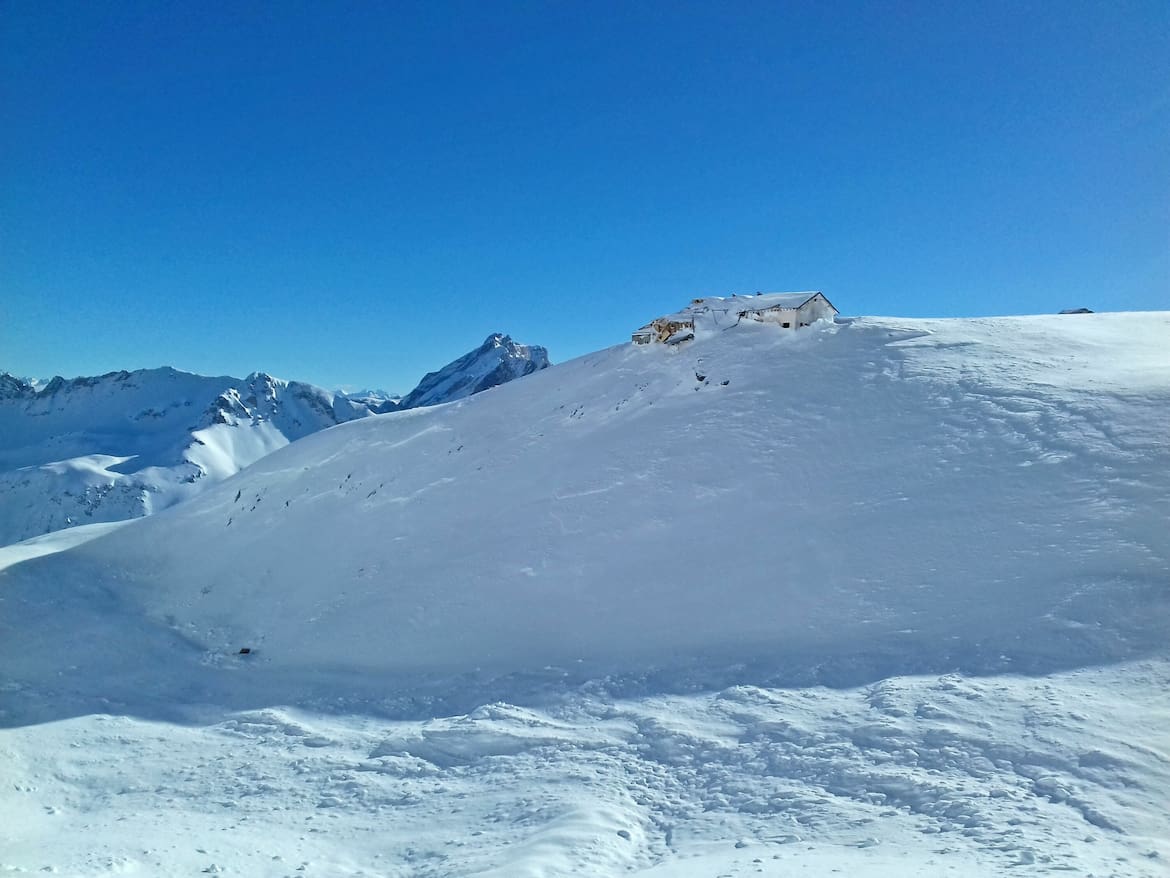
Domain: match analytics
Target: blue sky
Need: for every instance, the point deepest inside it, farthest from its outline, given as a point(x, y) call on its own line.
point(356, 193)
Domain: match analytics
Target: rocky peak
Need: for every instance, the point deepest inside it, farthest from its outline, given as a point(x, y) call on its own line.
point(12, 387)
point(498, 360)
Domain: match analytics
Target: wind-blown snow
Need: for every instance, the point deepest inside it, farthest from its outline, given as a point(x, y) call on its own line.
point(655, 560)
point(57, 541)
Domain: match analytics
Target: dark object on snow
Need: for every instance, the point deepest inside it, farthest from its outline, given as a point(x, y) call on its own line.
point(246, 650)
point(1077, 311)
point(725, 382)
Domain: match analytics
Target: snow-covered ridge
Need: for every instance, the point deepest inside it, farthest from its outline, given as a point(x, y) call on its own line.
point(495, 362)
point(125, 444)
point(379, 402)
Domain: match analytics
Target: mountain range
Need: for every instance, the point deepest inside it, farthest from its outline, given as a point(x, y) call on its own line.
point(127, 444)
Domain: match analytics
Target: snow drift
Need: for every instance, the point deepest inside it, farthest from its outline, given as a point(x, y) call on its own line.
point(835, 506)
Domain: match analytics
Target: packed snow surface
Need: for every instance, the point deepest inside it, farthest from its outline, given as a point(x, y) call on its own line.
point(887, 596)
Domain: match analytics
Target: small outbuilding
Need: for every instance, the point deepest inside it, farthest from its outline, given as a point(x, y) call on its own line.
point(671, 329)
point(787, 310)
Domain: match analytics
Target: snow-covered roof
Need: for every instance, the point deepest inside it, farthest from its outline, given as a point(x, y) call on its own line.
point(739, 304)
point(758, 302)
point(687, 315)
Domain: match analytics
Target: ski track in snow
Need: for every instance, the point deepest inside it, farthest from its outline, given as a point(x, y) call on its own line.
point(582, 625)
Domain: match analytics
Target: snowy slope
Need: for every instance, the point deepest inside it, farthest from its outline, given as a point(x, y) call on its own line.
point(126, 444)
point(655, 560)
point(909, 777)
point(895, 482)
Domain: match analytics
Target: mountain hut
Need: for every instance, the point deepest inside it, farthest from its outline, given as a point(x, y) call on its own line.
point(786, 310)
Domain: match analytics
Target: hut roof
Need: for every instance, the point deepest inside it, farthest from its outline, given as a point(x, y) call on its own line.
point(758, 302)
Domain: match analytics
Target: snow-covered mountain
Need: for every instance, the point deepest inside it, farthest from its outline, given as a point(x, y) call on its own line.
point(127, 444)
point(379, 402)
point(884, 596)
point(497, 361)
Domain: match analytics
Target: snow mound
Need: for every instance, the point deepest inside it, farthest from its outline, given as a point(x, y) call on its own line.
point(875, 498)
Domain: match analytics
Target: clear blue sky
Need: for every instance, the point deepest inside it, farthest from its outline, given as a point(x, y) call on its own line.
point(355, 193)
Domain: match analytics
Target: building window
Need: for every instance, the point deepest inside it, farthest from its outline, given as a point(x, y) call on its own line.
point(786, 325)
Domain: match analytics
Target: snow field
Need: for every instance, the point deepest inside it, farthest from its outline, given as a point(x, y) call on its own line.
point(910, 776)
point(878, 499)
point(887, 597)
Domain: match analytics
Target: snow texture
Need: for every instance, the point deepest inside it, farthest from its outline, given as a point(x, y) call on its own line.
point(886, 596)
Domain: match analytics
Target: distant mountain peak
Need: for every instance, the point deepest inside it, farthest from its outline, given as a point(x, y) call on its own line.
point(497, 361)
point(12, 387)
point(125, 444)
